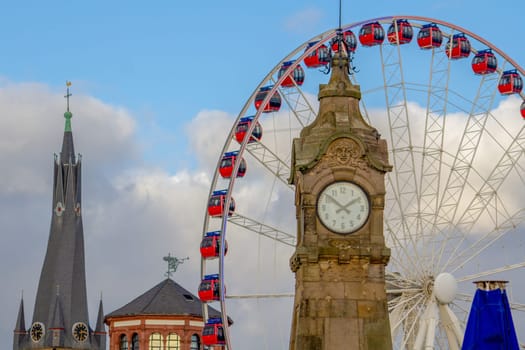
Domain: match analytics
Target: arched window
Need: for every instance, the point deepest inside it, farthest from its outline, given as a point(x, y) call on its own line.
point(155, 342)
point(173, 342)
point(135, 342)
point(123, 342)
point(195, 342)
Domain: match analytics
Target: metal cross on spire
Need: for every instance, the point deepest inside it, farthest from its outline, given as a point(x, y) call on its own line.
point(68, 94)
point(173, 263)
point(68, 115)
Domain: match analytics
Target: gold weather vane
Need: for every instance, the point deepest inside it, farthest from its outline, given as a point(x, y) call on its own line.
point(173, 263)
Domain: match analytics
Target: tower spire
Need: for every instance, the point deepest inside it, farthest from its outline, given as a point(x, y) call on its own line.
point(60, 316)
point(68, 149)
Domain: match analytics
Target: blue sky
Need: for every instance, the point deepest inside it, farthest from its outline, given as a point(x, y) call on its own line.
point(168, 60)
point(146, 77)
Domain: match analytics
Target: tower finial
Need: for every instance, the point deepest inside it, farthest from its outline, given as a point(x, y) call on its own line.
point(340, 10)
point(173, 263)
point(68, 84)
point(68, 115)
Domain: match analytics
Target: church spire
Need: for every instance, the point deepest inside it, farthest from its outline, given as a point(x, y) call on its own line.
point(60, 316)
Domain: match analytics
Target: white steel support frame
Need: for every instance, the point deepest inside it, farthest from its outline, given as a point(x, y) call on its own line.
point(432, 158)
point(403, 185)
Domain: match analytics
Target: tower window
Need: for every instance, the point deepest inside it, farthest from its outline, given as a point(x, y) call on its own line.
point(195, 342)
point(155, 342)
point(173, 342)
point(135, 342)
point(123, 343)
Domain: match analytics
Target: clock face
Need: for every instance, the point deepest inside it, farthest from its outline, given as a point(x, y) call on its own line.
point(80, 331)
point(37, 331)
point(343, 207)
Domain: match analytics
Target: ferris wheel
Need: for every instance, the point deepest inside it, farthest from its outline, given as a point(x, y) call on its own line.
point(450, 106)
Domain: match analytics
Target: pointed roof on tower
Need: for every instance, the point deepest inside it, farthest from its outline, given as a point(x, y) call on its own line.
point(63, 269)
point(166, 298)
point(100, 328)
point(20, 320)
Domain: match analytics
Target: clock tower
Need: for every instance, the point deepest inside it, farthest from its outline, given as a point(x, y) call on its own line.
point(338, 169)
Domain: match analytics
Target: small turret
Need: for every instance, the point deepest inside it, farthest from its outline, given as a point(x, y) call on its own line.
point(20, 327)
point(100, 330)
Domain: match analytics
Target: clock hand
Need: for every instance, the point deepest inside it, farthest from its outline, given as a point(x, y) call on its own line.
point(333, 200)
point(344, 207)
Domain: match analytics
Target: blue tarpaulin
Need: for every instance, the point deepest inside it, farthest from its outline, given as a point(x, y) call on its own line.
point(490, 325)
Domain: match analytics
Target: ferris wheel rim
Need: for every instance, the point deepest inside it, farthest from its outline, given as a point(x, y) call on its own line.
point(323, 38)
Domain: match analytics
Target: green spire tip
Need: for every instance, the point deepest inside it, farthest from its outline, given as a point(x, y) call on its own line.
point(68, 115)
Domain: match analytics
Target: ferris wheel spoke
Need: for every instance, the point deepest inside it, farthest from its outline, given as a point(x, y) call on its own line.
point(271, 161)
point(487, 240)
point(427, 326)
point(431, 160)
point(465, 306)
point(406, 257)
point(408, 322)
point(487, 199)
point(459, 176)
point(263, 229)
point(450, 324)
point(298, 104)
point(260, 296)
point(491, 272)
point(400, 133)
point(507, 163)
point(517, 306)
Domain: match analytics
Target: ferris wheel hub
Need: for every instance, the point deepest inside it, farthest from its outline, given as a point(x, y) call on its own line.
point(445, 288)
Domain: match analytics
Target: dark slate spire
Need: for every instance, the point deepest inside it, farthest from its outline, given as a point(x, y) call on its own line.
point(20, 327)
point(64, 266)
point(100, 329)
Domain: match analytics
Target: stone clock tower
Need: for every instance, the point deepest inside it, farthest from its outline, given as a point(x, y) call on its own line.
point(338, 168)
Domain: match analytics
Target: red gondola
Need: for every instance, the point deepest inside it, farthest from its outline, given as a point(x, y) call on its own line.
point(510, 82)
point(522, 109)
point(484, 62)
point(429, 36)
point(213, 333)
point(216, 204)
point(242, 127)
point(319, 57)
point(211, 245)
point(400, 32)
point(371, 34)
point(228, 163)
point(275, 100)
point(210, 288)
point(297, 75)
point(349, 40)
point(460, 46)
